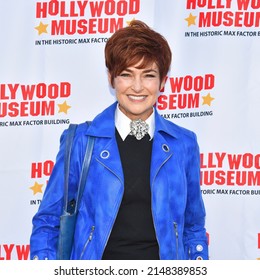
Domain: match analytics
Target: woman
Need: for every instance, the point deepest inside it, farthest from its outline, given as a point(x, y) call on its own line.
point(142, 199)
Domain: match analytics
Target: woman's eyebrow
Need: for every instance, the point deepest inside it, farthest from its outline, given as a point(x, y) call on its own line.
point(144, 71)
point(150, 70)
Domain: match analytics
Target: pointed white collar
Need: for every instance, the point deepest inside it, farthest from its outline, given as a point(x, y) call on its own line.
point(122, 123)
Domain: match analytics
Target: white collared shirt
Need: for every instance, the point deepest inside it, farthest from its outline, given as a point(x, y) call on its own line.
point(122, 123)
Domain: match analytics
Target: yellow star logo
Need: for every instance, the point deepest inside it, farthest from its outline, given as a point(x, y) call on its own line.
point(42, 28)
point(64, 107)
point(207, 99)
point(36, 188)
point(129, 21)
point(191, 20)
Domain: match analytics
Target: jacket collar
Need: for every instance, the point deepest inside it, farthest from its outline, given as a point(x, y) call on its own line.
point(164, 126)
point(103, 125)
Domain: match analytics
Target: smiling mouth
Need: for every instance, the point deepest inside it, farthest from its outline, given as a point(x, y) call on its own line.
point(137, 98)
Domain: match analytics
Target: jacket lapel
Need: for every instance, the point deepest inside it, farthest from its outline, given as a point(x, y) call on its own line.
point(160, 155)
point(103, 128)
point(108, 156)
point(162, 150)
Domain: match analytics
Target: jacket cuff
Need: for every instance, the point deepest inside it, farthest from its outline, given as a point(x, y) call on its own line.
point(198, 251)
point(43, 255)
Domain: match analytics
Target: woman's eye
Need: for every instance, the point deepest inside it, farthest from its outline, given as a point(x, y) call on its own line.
point(150, 75)
point(124, 75)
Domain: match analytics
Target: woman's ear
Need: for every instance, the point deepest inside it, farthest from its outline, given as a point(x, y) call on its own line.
point(163, 83)
point(110, 79)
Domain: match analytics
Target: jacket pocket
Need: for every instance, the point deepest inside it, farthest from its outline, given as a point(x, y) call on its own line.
point(90, 237)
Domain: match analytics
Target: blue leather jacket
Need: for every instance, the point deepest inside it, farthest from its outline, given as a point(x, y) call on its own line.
point(177, 206)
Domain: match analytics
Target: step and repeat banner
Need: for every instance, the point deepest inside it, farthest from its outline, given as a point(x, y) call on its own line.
point(52, 73)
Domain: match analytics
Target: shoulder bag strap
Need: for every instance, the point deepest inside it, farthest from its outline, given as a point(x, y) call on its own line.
point(85, 168)
point(69, 140)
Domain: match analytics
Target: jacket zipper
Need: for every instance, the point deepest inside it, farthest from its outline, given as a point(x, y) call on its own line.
point(110, 230)
point(152, 186)
point(175, 226)
point(87, 242)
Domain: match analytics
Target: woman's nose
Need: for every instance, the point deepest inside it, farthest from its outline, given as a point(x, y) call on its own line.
point(137, 84)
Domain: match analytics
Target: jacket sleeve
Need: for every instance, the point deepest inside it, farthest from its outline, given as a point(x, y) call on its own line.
point(195, 238)
point(45, 231)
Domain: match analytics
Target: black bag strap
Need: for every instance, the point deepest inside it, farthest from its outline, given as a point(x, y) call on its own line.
point(85, 166)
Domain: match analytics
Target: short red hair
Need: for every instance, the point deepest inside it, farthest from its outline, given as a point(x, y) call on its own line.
point(135, 43)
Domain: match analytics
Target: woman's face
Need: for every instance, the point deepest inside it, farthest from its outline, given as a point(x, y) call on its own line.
point(137, 91)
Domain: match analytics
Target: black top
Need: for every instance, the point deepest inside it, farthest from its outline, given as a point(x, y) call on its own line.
point(133, 235)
